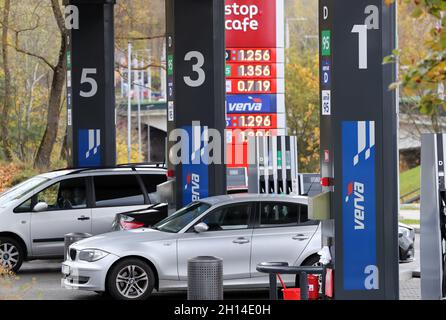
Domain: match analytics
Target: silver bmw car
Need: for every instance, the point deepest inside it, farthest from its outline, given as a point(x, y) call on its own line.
point(244, 230)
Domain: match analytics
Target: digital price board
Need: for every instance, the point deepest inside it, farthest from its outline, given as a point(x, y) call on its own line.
point(251, 55)
point(255, 72)
point(242, 86)
point(264, 71)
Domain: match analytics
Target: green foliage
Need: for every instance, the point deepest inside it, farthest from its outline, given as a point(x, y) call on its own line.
point(302, 82)
point(410, 180)
point(23, 173)
point(410, 222)
point(425, 75)
point(302, 101)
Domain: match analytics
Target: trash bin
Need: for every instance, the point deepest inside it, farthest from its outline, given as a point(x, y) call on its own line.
point(205, 278)
point(72, 238)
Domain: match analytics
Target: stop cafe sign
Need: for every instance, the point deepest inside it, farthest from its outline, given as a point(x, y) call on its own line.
point(251, 23)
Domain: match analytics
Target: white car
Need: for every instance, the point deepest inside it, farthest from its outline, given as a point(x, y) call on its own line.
point(244, 230)
point(36, 214)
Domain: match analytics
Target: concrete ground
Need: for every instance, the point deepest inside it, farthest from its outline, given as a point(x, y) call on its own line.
point(41, 280)
point(409, 214)
point(410, 288)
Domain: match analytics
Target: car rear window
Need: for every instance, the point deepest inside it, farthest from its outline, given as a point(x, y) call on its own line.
point(117, 191)
point(151, 181)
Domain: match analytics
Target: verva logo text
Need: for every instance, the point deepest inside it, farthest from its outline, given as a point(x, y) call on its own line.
point(193, 185)
point(357, 189)
point(251, 104)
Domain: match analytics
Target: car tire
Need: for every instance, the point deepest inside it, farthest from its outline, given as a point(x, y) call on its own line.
point(12, 254)
point(130, 279)
point(311, 261)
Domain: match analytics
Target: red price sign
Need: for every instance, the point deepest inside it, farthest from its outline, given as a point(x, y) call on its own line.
point(260, 86)
point(240, 136)
point(251, 121)
point(244, 55)
point(261, 71)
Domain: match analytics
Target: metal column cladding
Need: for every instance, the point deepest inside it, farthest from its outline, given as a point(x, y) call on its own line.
point(433, 232)
point(196, 93)
point(90, 83)
point(359, 145)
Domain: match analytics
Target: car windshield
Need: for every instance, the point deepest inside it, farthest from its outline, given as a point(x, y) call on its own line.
point(21, 189)
point(182, 218)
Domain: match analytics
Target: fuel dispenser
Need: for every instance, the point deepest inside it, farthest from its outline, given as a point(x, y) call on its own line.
point(273, 165)
point(359, 147)
point(433, 222)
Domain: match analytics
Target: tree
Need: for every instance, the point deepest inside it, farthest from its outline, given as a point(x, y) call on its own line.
point(7, 98)
point(302, 102)
point(425, 76)
point(43, 157)
point(302, 81)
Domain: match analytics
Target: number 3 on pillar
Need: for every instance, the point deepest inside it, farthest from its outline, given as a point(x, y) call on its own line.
point(197, 68)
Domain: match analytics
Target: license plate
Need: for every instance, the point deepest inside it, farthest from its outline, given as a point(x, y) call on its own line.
point(66, 270)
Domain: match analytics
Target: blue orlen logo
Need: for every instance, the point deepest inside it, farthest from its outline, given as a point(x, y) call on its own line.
point(359, 206)
point(90, 149)
point(260, 103)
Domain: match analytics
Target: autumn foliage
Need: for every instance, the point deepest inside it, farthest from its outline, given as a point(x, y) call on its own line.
point(7, 174)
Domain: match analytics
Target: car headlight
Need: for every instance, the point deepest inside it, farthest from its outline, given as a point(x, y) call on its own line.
point(404, 231)
point(91, 255)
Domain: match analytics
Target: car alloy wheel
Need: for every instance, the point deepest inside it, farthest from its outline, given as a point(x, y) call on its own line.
point(9, 255)
point(132, 282)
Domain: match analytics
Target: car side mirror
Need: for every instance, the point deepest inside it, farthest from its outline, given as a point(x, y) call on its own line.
point(40, 207)
point(201, 227)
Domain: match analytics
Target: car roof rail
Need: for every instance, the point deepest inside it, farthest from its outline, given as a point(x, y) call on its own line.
point(142, 165)
point(132, 166)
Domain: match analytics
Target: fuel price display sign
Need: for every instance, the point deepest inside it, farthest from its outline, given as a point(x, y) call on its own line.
point(250, 121)
point(254, 55)
point(261, 86)
point(250, 70)
point(255, 84)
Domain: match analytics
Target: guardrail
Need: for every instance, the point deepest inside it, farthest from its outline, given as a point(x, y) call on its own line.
point(415, 196)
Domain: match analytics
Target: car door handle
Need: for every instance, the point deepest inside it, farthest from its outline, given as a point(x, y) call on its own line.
point(83, 218)
point(300, 237)
point(240, 241)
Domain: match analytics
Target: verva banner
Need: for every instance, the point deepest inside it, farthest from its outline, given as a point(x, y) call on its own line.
point(251, 23)
point(359, 206)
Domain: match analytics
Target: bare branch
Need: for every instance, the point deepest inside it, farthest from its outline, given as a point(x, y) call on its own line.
point(141, 38)
point(144, 67)
point(35, 55)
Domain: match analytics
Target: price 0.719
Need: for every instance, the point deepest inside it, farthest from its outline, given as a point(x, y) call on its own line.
point(254, 86)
